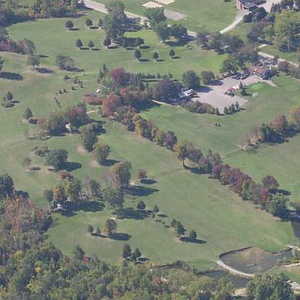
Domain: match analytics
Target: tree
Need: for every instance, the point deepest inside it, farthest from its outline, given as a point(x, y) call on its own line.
point(27, 114)
point(155, 209)
point(100, 22)
point(91, 44)
point(155, 15)
point(120, 174)
point(33, 60)
point(57, 158)
point(167, 90)
point(172, 53)
point(69, 25)
point(142, 174)
point(110, 226)
point(89, 23)
point(114, 197)
point(162, 30)
point(193, 235)
point(277, 206)
point(6, 186)
point(270, 182)
point(78, 253)
point(90, 229)
point(1, 63)
point(65, 63)
point(107, 42)
point(191, 80)
point(141, 205)
point(179, 229)
point(136, 254)
point(102, 152)
point(88, 137)
point(178, 31)
point(98, 231)
point(270, 287)
point(79, 43)
point(126, 251)
point(48, 195)
point(155, 55)
point(137, 54)
point(208, 77)
point(230, 66)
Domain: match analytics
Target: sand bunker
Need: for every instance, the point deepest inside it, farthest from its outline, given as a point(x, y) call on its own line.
point(165, 2)
point(152, 4)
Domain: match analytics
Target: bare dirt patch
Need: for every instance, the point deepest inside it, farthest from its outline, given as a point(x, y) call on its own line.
point(174, 15)
point(80, 149)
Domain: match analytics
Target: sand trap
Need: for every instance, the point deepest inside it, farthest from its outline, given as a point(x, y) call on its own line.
point(152, 4)
point(165, 2)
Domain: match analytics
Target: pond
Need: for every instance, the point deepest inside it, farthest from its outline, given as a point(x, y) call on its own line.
point(254, 260)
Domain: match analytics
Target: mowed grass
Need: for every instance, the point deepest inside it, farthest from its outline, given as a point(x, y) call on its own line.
point(267, 103)
point(212, 15)
point(52, 39)
point(221, 219)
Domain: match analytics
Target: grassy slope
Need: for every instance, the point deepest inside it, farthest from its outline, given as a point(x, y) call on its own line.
point(198, 202)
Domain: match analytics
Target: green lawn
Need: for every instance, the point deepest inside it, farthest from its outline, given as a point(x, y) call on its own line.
point(278, 160)
point(213, 15)
point(64, 41)
point(291, 56)
point(220, 218)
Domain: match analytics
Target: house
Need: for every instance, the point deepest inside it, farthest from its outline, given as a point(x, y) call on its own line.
point(263, 72)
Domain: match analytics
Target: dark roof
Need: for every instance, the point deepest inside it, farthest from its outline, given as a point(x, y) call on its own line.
point(248, 3)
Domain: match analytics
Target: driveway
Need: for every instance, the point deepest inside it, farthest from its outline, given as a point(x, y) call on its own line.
point(215, 94)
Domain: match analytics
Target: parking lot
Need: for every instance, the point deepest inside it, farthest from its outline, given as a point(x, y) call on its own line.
point(215, 94)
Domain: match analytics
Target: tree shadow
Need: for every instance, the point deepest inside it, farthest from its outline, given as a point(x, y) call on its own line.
point(44, 70)
point(205, 89)
point(140, 191)
point(96, 49)
point(120, 236)
point(177, 57)
point(194, 241)
point(148, 181)
point(162, 215)
point(11, 76)
point(144, 59)
point(144, 47)
point(109, 162)
point(160, 60)
point(43, 56)
point(74, 29)
point(91, 206)
point(131, 213)
point(72, 166)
